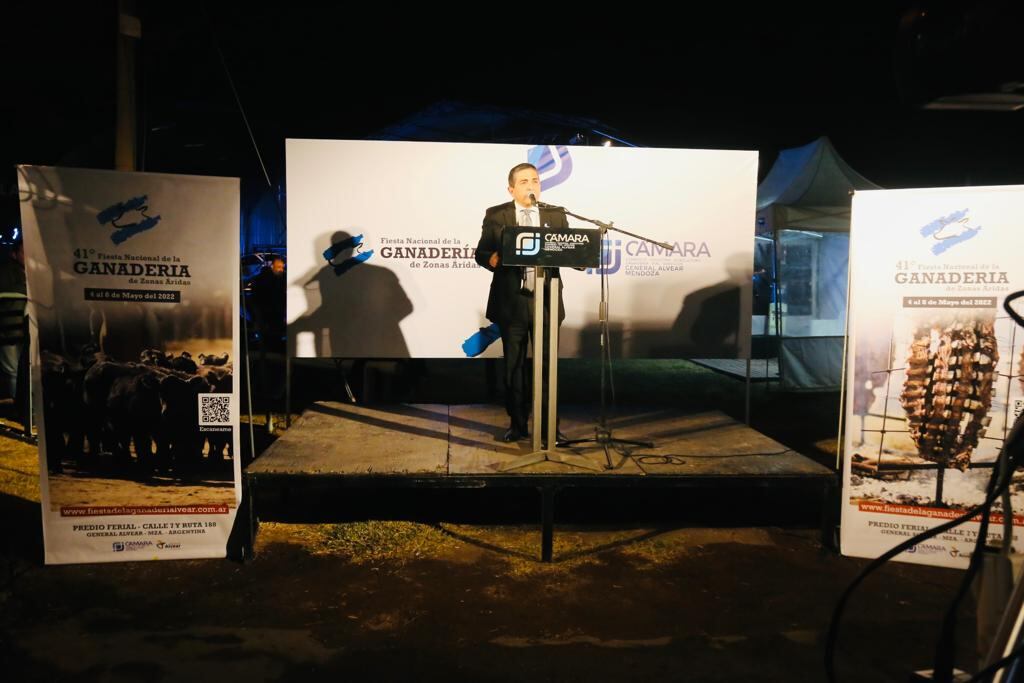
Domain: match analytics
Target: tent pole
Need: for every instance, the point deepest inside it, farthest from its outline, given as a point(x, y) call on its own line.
point(746, 407)
point(846, 344)
point(777, 280)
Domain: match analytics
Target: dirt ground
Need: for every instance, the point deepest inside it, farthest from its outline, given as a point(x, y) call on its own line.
point(400, 600)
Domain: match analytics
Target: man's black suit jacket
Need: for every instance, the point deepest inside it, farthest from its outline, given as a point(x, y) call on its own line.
point(502, 303)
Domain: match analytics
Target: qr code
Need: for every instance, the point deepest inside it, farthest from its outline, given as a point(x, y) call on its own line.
point(214, 409)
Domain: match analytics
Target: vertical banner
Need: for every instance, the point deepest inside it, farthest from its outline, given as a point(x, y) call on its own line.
point(934, 366)
point(133, 305)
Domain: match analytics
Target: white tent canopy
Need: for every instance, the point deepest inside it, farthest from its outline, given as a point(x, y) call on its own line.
point(804, 204)
point(808, 187)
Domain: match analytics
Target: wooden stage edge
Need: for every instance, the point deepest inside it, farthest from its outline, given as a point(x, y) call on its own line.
point(429, 441)
point(441, 441)
point(459, 446)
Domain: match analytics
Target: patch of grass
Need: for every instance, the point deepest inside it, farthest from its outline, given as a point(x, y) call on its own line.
point(396, 543)
point(368, 542)
point(657, 550)
point(19, 469)
point(518, 548)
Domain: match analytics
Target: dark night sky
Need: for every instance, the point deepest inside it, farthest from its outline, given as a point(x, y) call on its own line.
point(731, 79)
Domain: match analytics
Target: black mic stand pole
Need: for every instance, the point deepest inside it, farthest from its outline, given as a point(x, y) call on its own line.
point(602, 433)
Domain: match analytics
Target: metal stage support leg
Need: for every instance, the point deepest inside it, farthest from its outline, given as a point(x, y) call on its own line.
point(542, 452)
point(830, 504)
point(287, 388)
point(746, 398)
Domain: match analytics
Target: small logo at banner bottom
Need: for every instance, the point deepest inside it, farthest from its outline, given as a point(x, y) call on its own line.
point(123, 546)
point(163, 545)
point(926, 549)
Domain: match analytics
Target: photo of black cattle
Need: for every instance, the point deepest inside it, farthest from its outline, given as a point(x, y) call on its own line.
point(135, 418)
point(122, 387)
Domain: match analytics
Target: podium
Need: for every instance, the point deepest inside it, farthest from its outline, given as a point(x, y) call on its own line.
point(545, 249)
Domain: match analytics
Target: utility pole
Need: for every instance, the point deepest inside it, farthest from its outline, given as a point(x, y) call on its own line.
point(129, 33)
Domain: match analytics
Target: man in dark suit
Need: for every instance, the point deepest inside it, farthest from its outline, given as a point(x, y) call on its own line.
point(510, 302)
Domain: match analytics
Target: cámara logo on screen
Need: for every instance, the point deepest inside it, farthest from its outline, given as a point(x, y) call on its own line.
point(638, 258)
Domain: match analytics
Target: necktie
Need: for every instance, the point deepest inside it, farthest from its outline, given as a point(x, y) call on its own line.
point(529, 275)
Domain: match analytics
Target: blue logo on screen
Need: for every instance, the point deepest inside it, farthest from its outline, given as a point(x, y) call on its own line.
point(553, 162)
point(348, 242)
point(611, 258)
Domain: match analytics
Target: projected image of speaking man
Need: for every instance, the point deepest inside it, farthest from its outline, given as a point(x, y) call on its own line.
point(510, 302)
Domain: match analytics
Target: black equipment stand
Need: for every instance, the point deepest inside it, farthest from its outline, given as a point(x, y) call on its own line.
point(603, 436)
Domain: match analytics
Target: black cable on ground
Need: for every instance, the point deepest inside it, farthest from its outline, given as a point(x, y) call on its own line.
point(1013, 453)
point(996, 666)
point(1014, 445)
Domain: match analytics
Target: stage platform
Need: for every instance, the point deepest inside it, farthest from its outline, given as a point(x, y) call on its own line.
point(460, 446)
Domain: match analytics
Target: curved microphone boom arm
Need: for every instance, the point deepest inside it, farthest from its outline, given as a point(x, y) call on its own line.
point(605, 227)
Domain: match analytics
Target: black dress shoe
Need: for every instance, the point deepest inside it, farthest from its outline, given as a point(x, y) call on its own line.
point(559, 436)
point(513, 434)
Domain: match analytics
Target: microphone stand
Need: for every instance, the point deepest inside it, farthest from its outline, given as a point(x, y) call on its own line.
point(603, 436)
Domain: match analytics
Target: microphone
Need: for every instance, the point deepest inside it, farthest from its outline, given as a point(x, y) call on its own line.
point(542, 205)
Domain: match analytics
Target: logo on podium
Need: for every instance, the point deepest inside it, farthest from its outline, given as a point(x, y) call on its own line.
point(527, 243)
point(550, 247)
